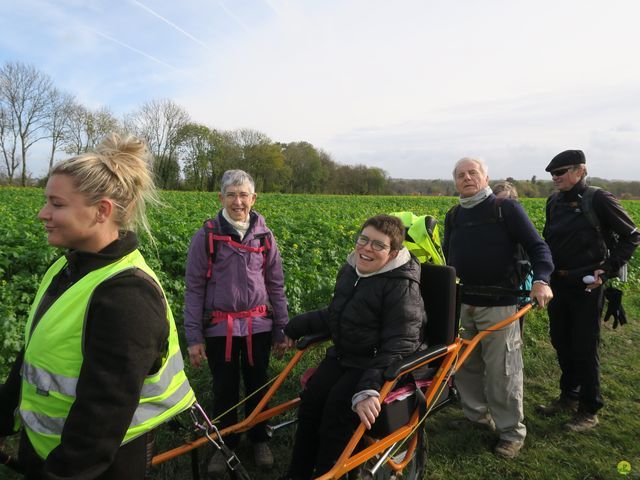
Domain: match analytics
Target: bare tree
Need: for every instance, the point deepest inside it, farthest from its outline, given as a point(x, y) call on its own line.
point(61, 109)
point(158, 122)
point(25, 93)
point(8, 143)
point(102, 122)
point(75, 141)
point(85, 128)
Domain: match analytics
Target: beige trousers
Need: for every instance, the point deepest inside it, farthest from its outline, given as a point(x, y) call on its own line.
point(491, 380)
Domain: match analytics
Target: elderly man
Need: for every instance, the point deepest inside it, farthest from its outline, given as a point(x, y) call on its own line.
point(589, 234)
point(480, 239)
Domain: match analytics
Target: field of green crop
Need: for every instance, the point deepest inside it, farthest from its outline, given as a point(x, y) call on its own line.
point(314, 233)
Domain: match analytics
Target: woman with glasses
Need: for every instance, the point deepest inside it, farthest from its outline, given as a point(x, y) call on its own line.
point(376, 316)
point(235, 307)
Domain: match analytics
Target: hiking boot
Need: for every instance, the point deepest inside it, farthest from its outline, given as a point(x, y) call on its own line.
point(508, 448)
point(559, 405)
point(485, 422)
point(262, 455)
point(217, 464)
point(582, 422)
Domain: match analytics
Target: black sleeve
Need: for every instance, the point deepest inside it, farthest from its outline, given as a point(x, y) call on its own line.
point(402, 319)
point(522, 230)
point(547, 213)
point(10, 396)
point(615, 219)
point(125, 334)
point(307, 323)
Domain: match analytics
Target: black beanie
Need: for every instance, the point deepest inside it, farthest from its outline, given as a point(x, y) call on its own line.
point(565, 159)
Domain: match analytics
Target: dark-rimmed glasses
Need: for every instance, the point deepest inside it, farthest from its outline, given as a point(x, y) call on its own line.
point(377, 245)
point(560, 171)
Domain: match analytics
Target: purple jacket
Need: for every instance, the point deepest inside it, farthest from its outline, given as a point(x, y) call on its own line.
point(237, 283)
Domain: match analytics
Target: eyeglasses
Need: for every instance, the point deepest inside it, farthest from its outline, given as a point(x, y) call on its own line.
point(377, 245)
point(560, 171)
point(234, 195)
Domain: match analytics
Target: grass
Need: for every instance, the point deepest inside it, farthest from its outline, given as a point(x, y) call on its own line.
point(550, 452)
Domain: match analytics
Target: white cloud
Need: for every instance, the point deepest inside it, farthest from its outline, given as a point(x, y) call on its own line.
point(408, 86)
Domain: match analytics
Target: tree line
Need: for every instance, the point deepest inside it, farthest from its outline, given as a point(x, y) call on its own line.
point(533, 188)
point(186, 155)
point(191, 156)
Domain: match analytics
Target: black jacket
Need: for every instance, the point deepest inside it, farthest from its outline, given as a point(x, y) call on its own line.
point(124, 341)
point(373, 320)
point(575, 244)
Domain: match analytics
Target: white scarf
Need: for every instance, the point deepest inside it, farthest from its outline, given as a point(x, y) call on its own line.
point(470, 202)
point(240, 227)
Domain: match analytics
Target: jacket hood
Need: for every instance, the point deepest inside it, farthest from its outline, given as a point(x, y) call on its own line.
point(401, 265)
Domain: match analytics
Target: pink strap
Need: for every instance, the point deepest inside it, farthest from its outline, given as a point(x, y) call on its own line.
point(218, 316)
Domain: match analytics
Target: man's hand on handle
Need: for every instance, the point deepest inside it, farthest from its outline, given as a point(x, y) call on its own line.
point(541, 293)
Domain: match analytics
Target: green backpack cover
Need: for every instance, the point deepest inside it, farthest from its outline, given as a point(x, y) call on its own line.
point(422, 237)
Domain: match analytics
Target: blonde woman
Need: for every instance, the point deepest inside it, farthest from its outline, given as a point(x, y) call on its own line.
point(101, 367)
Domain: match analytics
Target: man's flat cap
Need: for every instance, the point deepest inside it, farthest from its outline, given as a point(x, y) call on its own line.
point(566, 158)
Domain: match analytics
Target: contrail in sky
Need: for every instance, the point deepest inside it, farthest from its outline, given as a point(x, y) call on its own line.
point(232, 15)
point(171, 24)
point(129, 47)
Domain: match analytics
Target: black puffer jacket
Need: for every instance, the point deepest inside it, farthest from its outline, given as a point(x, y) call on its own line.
point(373, 321)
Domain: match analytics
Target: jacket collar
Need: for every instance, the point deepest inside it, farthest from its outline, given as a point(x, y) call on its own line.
point(576, 191)
point(402, 258)
point(80, 263)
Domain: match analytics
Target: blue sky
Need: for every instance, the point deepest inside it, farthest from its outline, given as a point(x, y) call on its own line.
point(408, 86)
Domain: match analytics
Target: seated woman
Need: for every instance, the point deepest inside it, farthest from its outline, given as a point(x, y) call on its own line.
point(376, 316)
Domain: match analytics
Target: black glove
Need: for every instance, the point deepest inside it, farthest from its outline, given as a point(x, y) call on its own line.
point(614, 307)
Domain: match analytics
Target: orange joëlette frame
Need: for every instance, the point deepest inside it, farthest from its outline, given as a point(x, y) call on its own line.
point(453, 357)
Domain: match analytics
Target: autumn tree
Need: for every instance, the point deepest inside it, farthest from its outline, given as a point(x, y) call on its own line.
point(308, 171)
point(205, 154)
point(263, 159)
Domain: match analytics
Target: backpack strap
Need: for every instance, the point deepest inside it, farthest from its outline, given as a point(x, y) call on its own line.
point(209, 243)
point(450, 219)
point(211, 237)
point(586, 205)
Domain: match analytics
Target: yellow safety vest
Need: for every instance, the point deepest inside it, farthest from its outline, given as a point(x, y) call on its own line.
point(53, 359)
point(421, 241)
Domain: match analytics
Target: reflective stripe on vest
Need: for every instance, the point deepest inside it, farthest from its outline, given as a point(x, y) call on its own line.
point(53, 359)
point(46, 381)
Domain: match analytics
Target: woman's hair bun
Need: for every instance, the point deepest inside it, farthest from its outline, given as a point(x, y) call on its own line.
point(114, 144)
